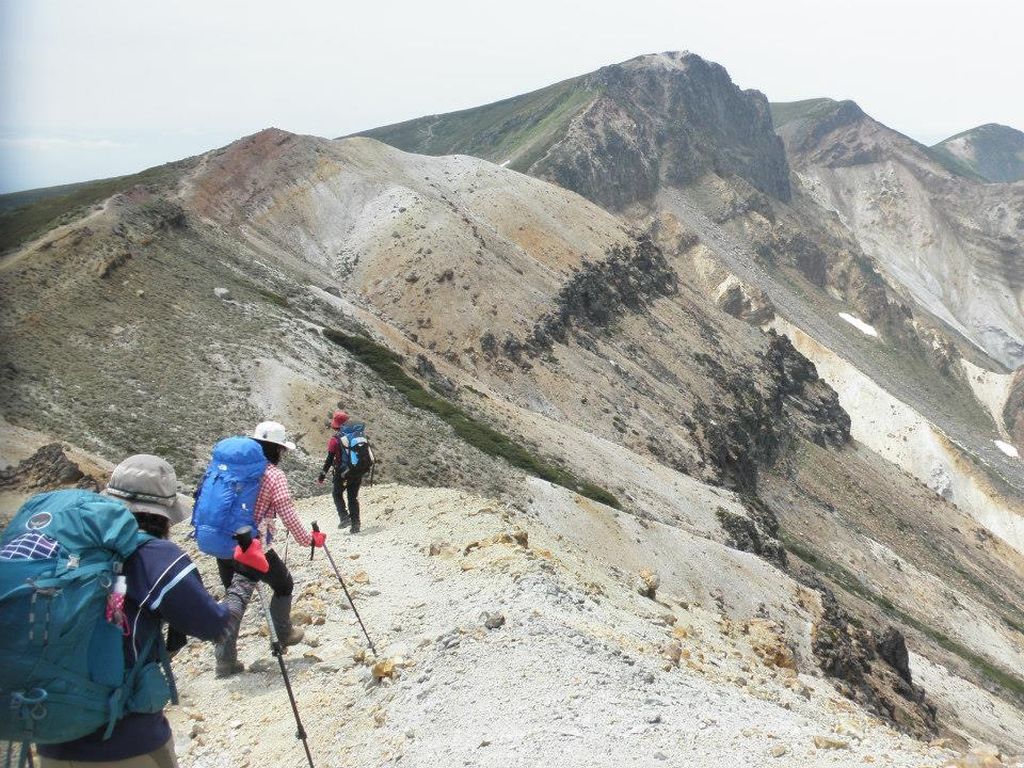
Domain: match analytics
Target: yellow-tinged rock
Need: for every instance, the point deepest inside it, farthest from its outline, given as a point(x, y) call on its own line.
point(672, 652)
point(383, 668)
point(830, 742)
point(361, 577)
point(648, 582)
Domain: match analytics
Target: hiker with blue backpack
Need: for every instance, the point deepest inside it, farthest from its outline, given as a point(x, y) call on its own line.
point(350, 456)
point(87, 582)
point(243, 486)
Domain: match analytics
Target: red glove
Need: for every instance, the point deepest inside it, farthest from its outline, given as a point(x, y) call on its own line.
point(319, 537)
point(253, 557)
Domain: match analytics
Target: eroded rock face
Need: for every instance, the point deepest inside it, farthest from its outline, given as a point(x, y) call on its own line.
point(739, 434)
point(756, 532)
point(747, 303)
point(665, 119)
point(47, 469)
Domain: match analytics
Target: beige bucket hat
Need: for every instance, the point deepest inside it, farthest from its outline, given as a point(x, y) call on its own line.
point(148, 484)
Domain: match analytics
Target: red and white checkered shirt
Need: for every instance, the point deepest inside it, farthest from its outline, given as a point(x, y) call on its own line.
point(275, 501)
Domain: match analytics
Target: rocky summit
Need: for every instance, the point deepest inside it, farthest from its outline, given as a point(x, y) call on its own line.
point(699, 421)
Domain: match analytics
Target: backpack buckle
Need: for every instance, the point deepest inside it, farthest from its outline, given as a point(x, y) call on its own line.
point(30, 703)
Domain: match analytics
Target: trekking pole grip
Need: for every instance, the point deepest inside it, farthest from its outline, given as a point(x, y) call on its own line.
point(312, 545)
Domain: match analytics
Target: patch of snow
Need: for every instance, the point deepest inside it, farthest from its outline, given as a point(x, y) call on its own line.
point(1008, 449)
point(991, 389)
point(860, 325)
point(505, 164)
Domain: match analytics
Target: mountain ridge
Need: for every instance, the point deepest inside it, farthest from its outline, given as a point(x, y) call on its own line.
point(623, 111)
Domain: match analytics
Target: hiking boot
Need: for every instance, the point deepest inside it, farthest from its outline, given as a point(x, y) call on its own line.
point(355, 528)
point(281, 614)
point(226, 654)
point(229, 668)
point(293, 637)
point(344, 522)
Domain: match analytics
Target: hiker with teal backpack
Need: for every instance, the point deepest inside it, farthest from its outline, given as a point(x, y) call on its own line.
point(243, 486)
point(350, 456)
point(87, 582)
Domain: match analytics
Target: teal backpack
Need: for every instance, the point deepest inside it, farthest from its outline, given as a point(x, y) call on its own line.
point(62, 664)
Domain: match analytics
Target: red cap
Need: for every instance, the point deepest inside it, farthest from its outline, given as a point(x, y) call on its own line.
point(340, 417)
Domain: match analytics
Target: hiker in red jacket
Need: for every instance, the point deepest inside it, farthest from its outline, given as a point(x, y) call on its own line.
point(346, 483)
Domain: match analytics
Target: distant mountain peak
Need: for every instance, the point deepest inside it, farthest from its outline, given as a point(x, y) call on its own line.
point(668, 60)
point(619, 134)
point(992, 151)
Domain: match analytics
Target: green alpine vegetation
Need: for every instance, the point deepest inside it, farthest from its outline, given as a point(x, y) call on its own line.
point(786, 112)
point(24, 215)
point(517, 131)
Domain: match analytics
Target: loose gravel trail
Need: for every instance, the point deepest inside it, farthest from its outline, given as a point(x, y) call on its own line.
point(504, 642)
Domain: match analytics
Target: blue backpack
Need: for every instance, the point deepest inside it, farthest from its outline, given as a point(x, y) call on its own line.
point(356, 459)
point(62, 664)
point(226, 499)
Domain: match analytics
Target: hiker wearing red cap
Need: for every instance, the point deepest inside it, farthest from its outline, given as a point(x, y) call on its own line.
point(344, 450)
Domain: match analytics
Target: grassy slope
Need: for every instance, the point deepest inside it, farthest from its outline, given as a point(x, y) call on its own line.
point(518, 130)
point(24, 215)
point(788, 111)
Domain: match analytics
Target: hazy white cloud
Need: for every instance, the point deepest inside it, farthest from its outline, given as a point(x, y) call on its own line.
point(60, 143)
point(176, 78)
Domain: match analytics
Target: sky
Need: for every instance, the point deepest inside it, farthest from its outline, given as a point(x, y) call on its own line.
point(108, 87)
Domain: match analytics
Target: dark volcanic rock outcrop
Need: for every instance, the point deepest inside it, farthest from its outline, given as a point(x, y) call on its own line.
point(666, 119)
point(47, 469)
point(871, 668)
point(628, 280)
point(747, 430)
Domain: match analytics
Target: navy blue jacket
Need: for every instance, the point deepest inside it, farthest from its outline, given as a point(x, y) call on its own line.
point(163, 585)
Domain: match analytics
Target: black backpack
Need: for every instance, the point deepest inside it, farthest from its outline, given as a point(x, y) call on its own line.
point(355, 456)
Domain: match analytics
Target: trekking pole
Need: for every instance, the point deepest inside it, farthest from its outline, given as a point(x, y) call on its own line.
point(316, 529)
point(244, 538)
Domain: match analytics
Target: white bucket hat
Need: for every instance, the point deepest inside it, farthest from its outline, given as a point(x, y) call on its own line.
point(272, 432)
point(148, 484)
